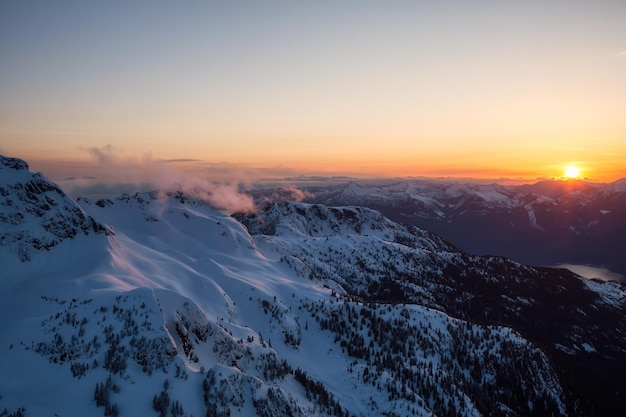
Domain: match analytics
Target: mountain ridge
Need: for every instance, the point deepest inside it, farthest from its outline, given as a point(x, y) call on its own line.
point(547, 223)
point(552, 307)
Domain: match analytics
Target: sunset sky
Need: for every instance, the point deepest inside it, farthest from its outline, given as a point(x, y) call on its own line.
point(485, 89)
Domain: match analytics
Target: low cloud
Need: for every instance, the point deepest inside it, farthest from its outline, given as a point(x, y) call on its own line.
point(173, 161)
point(225, 186)
point(288, 194)
point(105, 155)
point(111, 166)
point(222, 196)
point(72, 184)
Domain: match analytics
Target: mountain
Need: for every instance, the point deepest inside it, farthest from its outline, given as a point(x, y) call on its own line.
point(547, 223)
point(36, 214)
point(579, 323)
point(162, 305)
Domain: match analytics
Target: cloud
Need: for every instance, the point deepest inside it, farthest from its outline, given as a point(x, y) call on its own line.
point(112, 167)
point(79, 178)
point(288, 194)
point(222, 185)
point(172, 161)
point(222, 196)
point(104, 155)
point(71, 184)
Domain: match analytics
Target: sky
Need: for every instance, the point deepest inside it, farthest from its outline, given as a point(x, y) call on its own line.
point(484, 89)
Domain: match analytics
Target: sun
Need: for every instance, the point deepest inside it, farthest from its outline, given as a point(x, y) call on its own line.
point(572, 172)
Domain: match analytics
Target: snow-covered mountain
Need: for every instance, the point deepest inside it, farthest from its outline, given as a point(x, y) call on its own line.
point(547, 223)
point(36, 214)
point(580, 323)
point(157, 304)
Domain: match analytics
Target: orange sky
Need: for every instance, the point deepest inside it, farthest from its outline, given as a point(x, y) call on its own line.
point(359, 88)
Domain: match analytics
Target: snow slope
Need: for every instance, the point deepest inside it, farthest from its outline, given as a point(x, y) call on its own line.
point(373, 259)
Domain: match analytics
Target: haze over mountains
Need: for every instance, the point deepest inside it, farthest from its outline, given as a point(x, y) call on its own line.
point(158, 304)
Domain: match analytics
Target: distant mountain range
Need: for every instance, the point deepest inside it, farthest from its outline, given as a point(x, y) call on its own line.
point(548, 223)
point(157, 304)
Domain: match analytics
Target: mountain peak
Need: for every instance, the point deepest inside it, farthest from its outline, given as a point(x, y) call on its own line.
point(12, 163)
point(314, 220)
point(307, 222)
point(36, 214)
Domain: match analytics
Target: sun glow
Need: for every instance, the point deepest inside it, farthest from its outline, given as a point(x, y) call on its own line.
point(572, 172)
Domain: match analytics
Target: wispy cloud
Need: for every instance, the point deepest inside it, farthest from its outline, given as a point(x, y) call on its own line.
point(111, 172)
point(104, 155)
point(113, 166)
point(79, 178)
point(221, 195)
point(173, 161)
point(286, 194)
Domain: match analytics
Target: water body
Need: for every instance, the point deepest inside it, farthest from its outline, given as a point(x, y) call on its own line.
point(588, 271)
